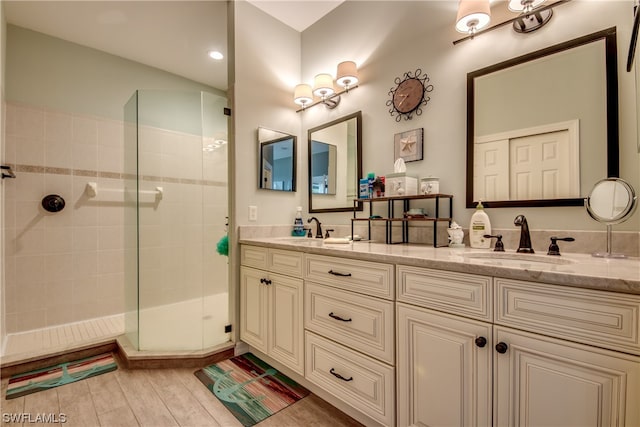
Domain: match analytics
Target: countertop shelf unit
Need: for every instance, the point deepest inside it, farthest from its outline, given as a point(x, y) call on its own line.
point(404, 219)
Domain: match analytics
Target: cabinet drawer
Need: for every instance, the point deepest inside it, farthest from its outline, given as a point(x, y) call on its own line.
point(365, 384)
point(457, 293)
point(600, 318)
point(360, 322)
point(285, 262)
point(370, 278)
point(253, 256)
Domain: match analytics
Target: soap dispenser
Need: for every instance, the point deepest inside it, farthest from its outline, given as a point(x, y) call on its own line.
point(298, 225)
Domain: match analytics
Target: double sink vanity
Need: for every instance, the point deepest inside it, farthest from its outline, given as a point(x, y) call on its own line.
point(415, 335)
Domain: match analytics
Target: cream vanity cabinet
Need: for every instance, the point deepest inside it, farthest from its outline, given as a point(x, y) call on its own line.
point(271, 303)
point(476, 350)
point(444, 361)
point(349, 322)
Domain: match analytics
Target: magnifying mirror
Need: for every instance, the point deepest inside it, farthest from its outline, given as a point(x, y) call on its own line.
point(611, 201)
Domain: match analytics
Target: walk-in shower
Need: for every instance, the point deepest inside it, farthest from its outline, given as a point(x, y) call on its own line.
point(176, 284)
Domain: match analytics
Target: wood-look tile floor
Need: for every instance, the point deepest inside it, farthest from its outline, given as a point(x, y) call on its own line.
point(155, 398)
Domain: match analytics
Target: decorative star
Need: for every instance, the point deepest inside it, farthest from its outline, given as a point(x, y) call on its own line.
point(408, 144)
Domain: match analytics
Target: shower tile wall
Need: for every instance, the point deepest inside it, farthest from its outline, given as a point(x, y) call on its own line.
point(69, 266)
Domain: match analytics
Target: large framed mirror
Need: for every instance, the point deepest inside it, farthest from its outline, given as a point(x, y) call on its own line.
point(542, 128)
point(277, 160)
point(335, 164)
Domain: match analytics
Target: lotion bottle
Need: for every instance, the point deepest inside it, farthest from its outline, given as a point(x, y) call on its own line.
point(478, 227)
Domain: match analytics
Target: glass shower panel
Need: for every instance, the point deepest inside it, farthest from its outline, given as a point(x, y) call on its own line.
point(215, 193)
point(182, 204)
point(131, 220)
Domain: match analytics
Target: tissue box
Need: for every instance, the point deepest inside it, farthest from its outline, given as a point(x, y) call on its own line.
point(400, 180)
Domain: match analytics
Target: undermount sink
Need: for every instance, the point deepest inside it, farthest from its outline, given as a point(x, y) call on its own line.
point(516, 259)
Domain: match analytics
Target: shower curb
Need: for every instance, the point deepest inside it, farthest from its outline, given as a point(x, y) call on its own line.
point(126, 357)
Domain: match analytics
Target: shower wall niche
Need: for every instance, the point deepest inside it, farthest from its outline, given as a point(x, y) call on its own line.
point(176, 197)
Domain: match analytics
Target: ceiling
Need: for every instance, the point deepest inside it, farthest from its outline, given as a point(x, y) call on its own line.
point(174, 36)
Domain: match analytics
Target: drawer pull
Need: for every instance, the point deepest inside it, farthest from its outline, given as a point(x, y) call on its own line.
point(481, 341)
point(502, 348)
point(335, 374)
point(335, 273)
point(265, 281)
point(338, 317)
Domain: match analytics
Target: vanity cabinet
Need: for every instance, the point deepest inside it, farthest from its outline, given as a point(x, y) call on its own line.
point(472, 349)
point(271, 304)
point(349, 322)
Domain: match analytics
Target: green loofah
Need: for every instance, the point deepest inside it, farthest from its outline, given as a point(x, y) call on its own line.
point(223, 246)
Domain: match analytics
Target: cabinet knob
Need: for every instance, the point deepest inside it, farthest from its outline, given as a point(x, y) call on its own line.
point(502, 347)
point(481, 341)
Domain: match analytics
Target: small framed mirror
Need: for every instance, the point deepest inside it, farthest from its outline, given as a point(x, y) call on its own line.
point(277, 160)
point(335, 164)
point(611, 201)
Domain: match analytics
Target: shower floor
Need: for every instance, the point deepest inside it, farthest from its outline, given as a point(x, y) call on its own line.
point(187, 325)
point(56, 339)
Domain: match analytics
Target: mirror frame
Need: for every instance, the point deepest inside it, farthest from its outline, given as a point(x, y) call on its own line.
point(611, 66)
point(359, 206)
point(294, 157)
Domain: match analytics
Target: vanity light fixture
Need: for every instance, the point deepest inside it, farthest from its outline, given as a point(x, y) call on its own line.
point(532, 15)
point(473, 15)
point(347, 76)
point(530, 18)
point(323, 88)
point(302, 95)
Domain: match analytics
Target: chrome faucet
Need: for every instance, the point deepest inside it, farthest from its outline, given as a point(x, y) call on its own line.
point(525, 237)
point(318, 226)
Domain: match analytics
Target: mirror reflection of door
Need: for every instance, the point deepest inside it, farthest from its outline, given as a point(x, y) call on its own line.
point(323, 167)
point(533, 163)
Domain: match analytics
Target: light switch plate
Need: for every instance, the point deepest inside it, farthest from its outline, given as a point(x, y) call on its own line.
point(253, 213)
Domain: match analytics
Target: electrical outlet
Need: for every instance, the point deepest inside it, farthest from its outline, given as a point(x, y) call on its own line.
point(253, 213)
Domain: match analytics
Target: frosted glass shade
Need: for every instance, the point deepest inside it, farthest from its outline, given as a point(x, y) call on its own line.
point(323, 85)
point(347, 75)
point(521, 5)
point(473, 15)
point(302, 94)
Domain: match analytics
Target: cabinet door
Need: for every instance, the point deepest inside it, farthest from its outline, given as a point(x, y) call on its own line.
point(444, 377)
point(542, 381)
point(253, 308)
point(286, 328)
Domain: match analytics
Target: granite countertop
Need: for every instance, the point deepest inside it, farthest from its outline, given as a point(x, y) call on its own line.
point(577, 270)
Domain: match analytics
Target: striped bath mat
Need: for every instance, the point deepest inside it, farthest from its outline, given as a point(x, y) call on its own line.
point(250, 388)
point(64, 373)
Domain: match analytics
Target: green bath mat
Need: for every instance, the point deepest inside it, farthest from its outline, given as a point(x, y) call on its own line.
point(64, 373)
point(250, 388)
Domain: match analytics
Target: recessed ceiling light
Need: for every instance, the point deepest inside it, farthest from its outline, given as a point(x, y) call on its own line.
point(215, 54)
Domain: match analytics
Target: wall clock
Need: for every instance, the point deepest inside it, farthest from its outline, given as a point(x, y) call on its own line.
point(409, 95)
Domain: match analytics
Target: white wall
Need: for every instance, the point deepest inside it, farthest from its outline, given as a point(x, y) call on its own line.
point(267, 68)
point(386, 39)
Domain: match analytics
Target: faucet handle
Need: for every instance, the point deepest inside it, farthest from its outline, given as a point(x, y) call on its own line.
point(554, 249)
point(499, 246)
point(326, 236)
point(309, 232)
